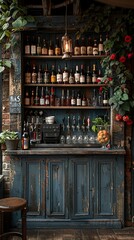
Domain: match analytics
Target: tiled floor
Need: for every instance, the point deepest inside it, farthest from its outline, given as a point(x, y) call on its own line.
point(82, 234)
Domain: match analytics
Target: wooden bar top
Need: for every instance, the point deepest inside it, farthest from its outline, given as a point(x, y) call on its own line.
point(67, 151)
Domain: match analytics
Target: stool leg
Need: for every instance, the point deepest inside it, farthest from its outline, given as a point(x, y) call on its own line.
point(23, 214)
point(1, 222)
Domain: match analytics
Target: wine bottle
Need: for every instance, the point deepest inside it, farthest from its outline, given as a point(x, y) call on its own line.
point(53, 75)
point(65, 75)
point(71, 77)
point(59, 77)
point(82, 74)
point(42, 98)
point(39, 75)
point(63, 100)
point(46, 78)
point(76, 47)
point(25, 141)
point(47, 97)
point(95, 47)
point(39, 50)
point(27, 99)
point(77, 75)
point(83, 49)
point(50, 49)
point(57, 49)
point(27, 46)
point(28, 76)
point(52, 97)
point(34, 74)
point(73, 99)
point(88, 76)
point(100, 46)
point(33, 46)
point(36, 99)
point(94, 74)
point(90, 47)
point(44, 49)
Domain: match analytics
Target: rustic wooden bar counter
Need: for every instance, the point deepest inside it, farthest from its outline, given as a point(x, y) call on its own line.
point(69, 187)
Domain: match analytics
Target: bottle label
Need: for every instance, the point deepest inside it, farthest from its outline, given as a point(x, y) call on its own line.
point(25, 143)
point(89, 50)
point(33, 49)
point(82, 79)
point(50, 52)
point(46, 77)
point(95, 51)
point(83, 102)
point(59, 78)
point(44, 51)
point(77, 77)
point(27, 49)
point(83, 50)
point(88, 79)
point(42, 101)
point(27, 101)
point(101, 47)
point(53, 78)
point(71, 79)
point(47, 102)
point(105, 101)
point(77, 51)
point(39, 78)
point(38, 50)
point(65, 77)
point(34, 77)
point(78, 102)
point(94, 79)
point(57, 51)
point(27, 77)
point(73, 102)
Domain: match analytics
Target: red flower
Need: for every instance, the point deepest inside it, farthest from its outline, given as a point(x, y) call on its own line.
point(100, 89)
point(129, 122)
point(110, 79)
point(130, 55)
point(113, 56)
point(126, 118)
point(118, 117)
point(128, 38)
point(122, 59)
point(98, 80)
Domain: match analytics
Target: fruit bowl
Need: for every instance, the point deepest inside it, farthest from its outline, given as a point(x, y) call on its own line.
point(103, 137)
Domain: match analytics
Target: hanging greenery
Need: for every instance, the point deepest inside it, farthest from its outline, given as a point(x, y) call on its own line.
point(13, 18)
point(119, 24)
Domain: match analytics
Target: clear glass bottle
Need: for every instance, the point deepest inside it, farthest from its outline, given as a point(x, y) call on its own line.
point(77, 75)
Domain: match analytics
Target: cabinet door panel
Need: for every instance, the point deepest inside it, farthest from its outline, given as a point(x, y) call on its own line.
point(33, 182)
point(104, 186)
point(56, 187)
point(79, 188)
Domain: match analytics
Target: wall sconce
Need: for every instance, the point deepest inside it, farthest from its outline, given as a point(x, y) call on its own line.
point(66, 41)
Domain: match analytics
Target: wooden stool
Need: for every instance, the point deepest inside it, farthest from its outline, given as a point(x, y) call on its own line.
point(12, 204)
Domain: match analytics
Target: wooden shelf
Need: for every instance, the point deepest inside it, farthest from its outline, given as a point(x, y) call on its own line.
point(78, 57)
point(66, 107)
point(63, 85)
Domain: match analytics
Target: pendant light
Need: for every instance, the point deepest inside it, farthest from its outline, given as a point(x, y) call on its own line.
point(66, 41)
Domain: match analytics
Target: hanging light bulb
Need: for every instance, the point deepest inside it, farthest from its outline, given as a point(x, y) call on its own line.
point(66, 41)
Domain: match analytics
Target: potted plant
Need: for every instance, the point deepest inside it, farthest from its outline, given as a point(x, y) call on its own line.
point(10, 139)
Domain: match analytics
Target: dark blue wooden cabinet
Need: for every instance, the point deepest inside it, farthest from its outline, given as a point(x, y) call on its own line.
point(71, 190)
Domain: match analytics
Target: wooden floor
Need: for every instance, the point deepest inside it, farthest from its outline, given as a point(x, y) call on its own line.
point(82, 234)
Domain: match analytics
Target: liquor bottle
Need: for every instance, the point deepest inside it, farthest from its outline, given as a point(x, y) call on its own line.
point(77, 75)
point(99, 77)
point(83, 101)
point(27, 46)
point(27, 99)
point(76, 47)
point(63, 99)
point(100, 99)
point(33, 46)
point(59, 77)
point(42, 98)
point(100, 46)
point(94, 98)
point(95, 47)
point(32, 97)
point(107, 51)
point(71, 77)
point(88, 76)
point(68, 99)
point(28, 76)
point(83, 49)
point(90, 47)
point(36, 99)
point(50, 49)
point(25, 141)
point(73, 99)
point(39, 75)
point(105, 98)
point(53, 75)
point(65, 75)
point(78, 99)
point(47, 97)
point(94, 74)
point(44, 49)
point(57, 49)
point(46, 78)
point(39, 50)
point(34, 74)
point(52, 97)
point(82, 74)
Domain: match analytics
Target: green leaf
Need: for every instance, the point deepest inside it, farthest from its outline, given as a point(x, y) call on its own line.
point(125, 97)
point(19, 22)
point(2, 68)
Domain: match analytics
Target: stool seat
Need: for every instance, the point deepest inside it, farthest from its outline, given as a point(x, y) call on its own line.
point(12, 204)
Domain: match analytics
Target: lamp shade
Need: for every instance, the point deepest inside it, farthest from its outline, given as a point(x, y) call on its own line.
point(66, 45)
